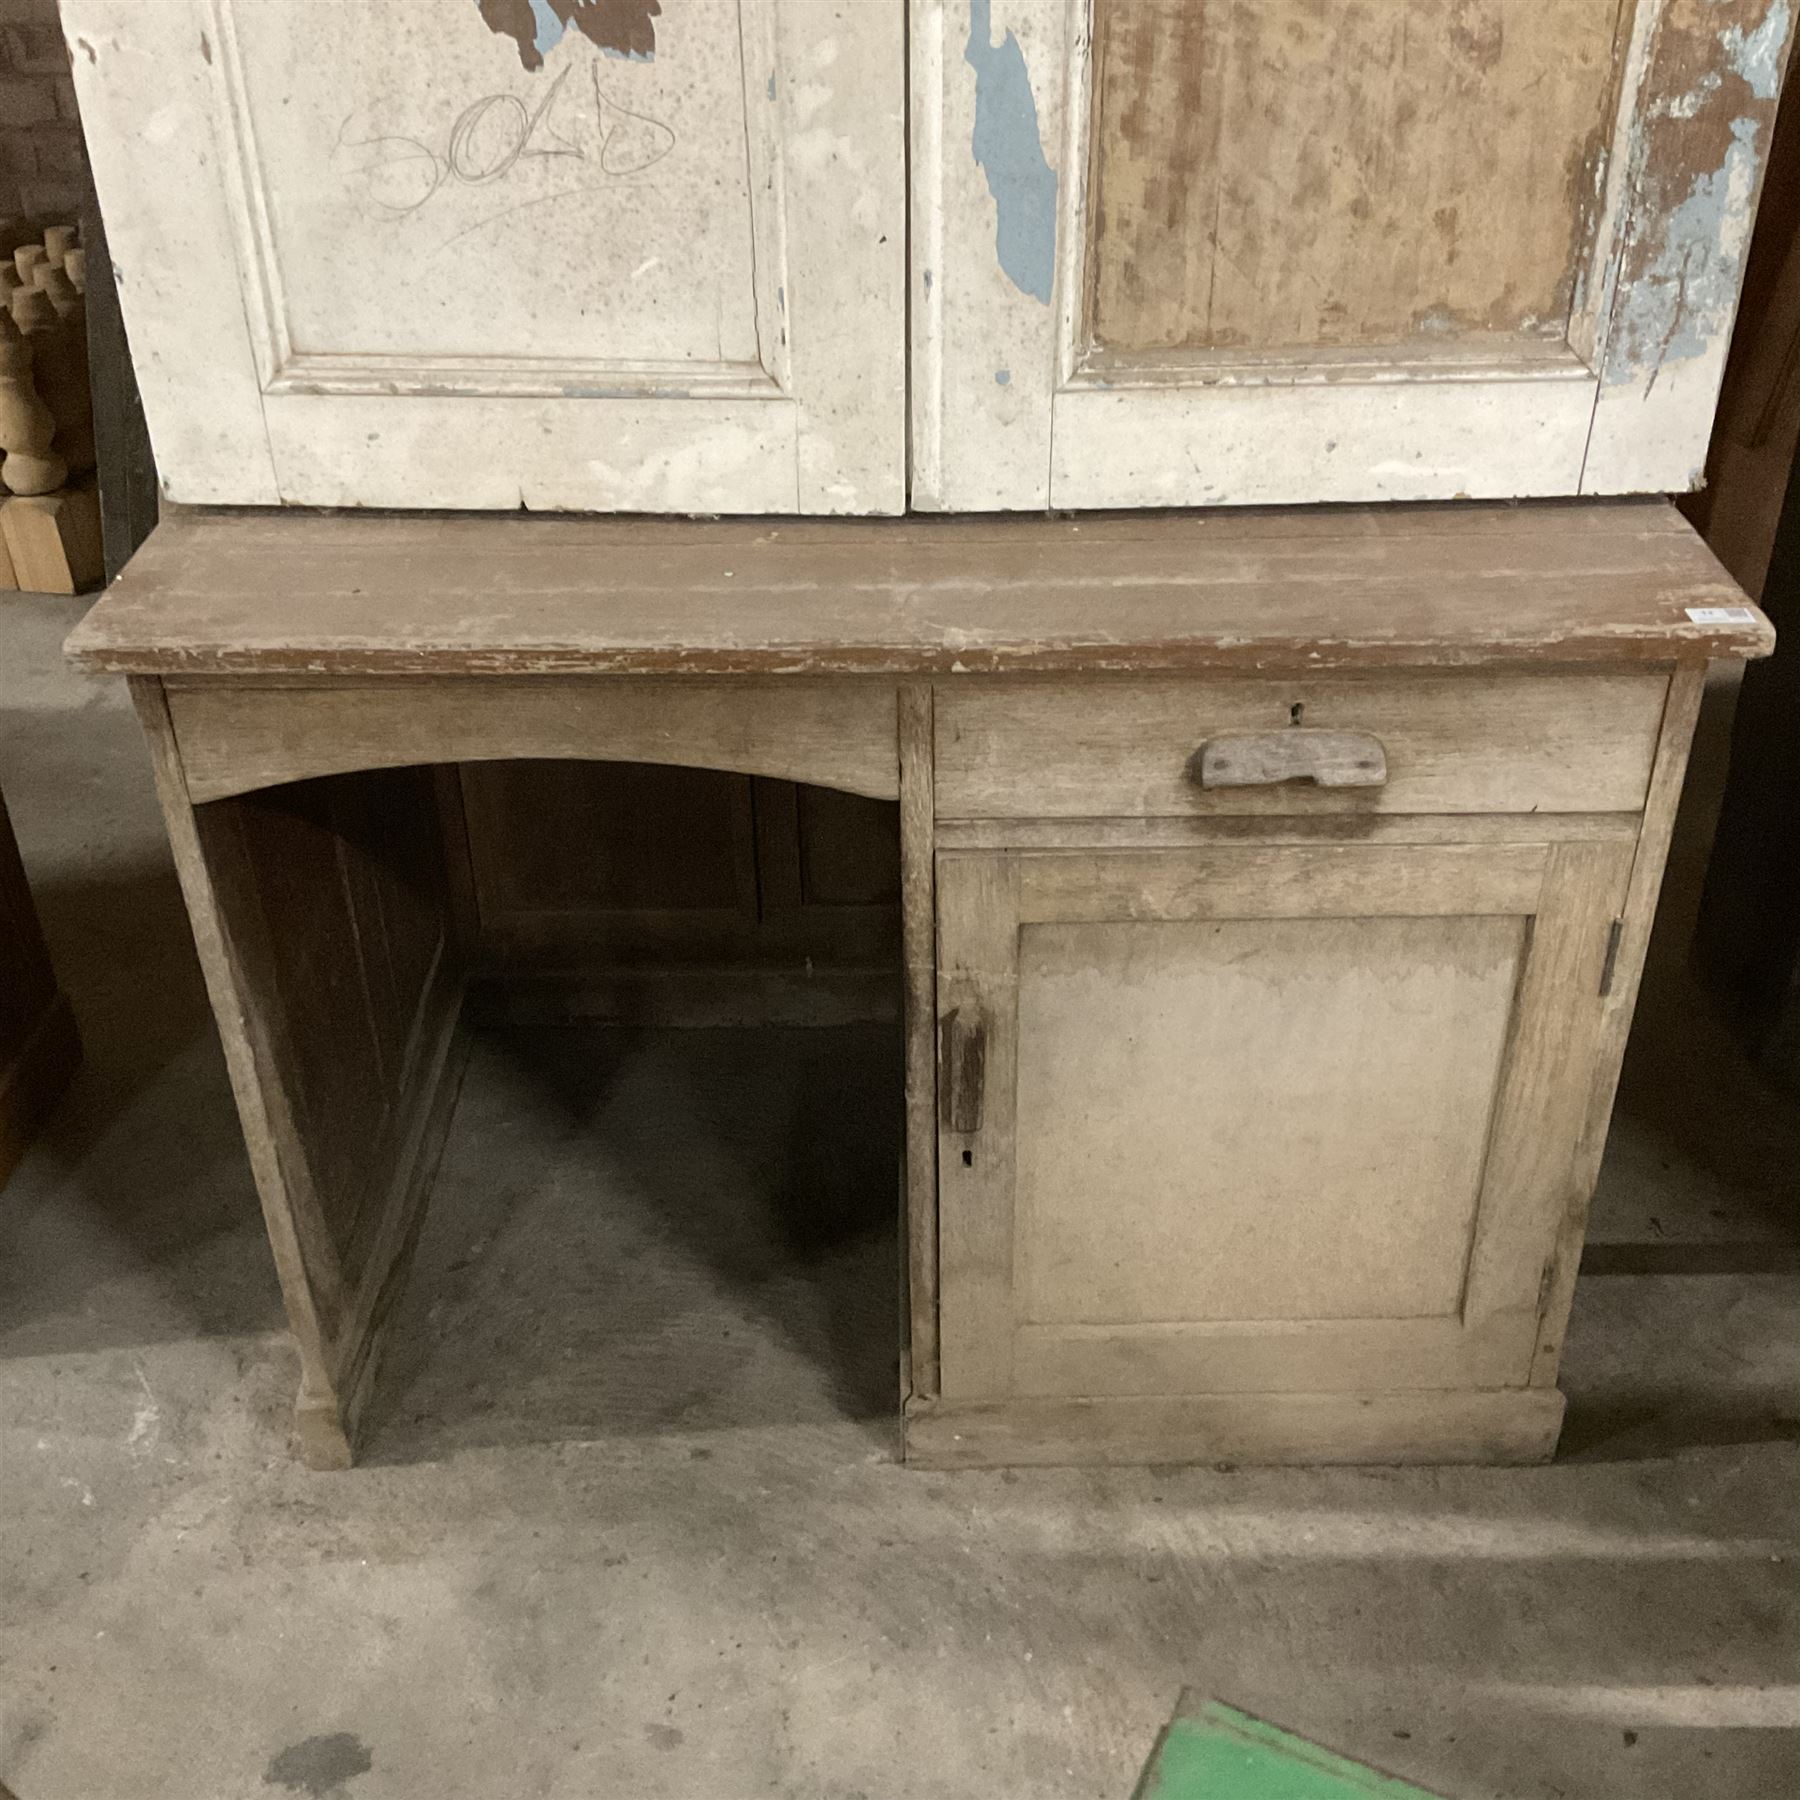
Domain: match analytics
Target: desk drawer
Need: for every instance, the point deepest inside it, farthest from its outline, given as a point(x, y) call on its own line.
point(1476, 743)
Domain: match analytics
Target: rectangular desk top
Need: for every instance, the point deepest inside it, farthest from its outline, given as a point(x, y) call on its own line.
point(306, 595)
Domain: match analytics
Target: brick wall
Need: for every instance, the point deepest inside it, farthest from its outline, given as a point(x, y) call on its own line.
point(43, 163)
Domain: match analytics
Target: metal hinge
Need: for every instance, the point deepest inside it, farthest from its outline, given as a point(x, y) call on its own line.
point(1610, 966)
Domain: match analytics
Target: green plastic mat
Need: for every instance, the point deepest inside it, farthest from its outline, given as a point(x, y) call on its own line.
point(1214, 1752)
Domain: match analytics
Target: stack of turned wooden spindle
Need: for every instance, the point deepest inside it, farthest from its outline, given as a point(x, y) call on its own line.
point(50, 513)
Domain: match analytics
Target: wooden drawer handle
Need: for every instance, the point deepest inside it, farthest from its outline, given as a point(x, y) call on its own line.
point(1331, 759)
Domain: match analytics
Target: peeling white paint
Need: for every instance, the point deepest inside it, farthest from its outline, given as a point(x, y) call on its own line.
point(1684, 301)
point(1757, 55)
point(1686, 106)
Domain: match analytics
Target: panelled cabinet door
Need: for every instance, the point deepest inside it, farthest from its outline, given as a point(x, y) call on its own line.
point(1218, 251)
point(1256, 1119)
point(638, 255)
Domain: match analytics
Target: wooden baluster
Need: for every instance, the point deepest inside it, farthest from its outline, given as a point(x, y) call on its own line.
point(75, 267)
point(51, 279)
point(60, 367)
point(27, 425)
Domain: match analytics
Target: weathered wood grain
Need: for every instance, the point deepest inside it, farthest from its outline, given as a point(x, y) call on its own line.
point(323, 917)
point(1281, 175)
point(1263, 1117)
point(1707, 76)
point(236, 738)
point(1496, 1426)
point(1638, 915)
point(1383, 252)
point(1470, 743)
point(299, 596)
point(977, 977)
point(918, 924)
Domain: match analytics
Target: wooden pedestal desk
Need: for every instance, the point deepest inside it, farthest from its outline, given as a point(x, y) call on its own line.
point(1276, 887)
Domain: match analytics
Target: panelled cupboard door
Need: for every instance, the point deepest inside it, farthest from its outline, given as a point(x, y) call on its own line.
point(1188, 252)
point(1257, 1118)
point(633, 255)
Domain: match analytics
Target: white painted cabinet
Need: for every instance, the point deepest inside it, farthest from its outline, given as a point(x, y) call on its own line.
point(1194, 252)
point(652, 255)
point(581, 254)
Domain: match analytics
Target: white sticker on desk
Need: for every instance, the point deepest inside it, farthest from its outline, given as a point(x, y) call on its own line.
point(1722, 615)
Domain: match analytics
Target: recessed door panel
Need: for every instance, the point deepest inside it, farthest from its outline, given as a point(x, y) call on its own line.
point(504, 253)
point(1279, 175)
point(1240, 1119)
point(432, 205)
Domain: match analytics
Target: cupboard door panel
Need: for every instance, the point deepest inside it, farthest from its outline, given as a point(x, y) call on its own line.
point(1260, 1120)
point(1301, 1096)
point(1179, 252)
point(499, 255)
point(1284, 176)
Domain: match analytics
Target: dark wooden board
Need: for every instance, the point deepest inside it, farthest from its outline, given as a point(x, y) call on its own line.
point(297, 594)
point(39, 1048)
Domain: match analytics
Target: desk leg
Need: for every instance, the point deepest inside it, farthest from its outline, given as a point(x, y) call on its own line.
point(918, 924)
point(323, 913)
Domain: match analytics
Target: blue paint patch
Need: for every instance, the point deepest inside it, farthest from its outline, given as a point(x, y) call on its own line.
point(550, 28)
point(1756, 55)
point(1684, 301)
point(771, 84)
point(1011, 154)
point(1004, 377)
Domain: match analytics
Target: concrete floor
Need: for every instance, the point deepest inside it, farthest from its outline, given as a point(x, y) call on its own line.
point(630, 1524)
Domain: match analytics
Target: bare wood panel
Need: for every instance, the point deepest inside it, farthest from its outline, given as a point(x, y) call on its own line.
point(1501, 743)
point(1323, 828)
point(323, 916)
point(339, 893)
point(614, 876)
point(1275, 174)
point(706, 997)
point(1294, 1124)
point(918, 921)
point(977, 953)
point(849, 847)
point(234, 740)
point(1639, 914)
point(1260, 1118)
point(1449, 1427)
point(254, 594)
point(1327, 1356)
point(1287, 882)
point(579, 837)
point(311, 1283)
point(1532, 1163)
